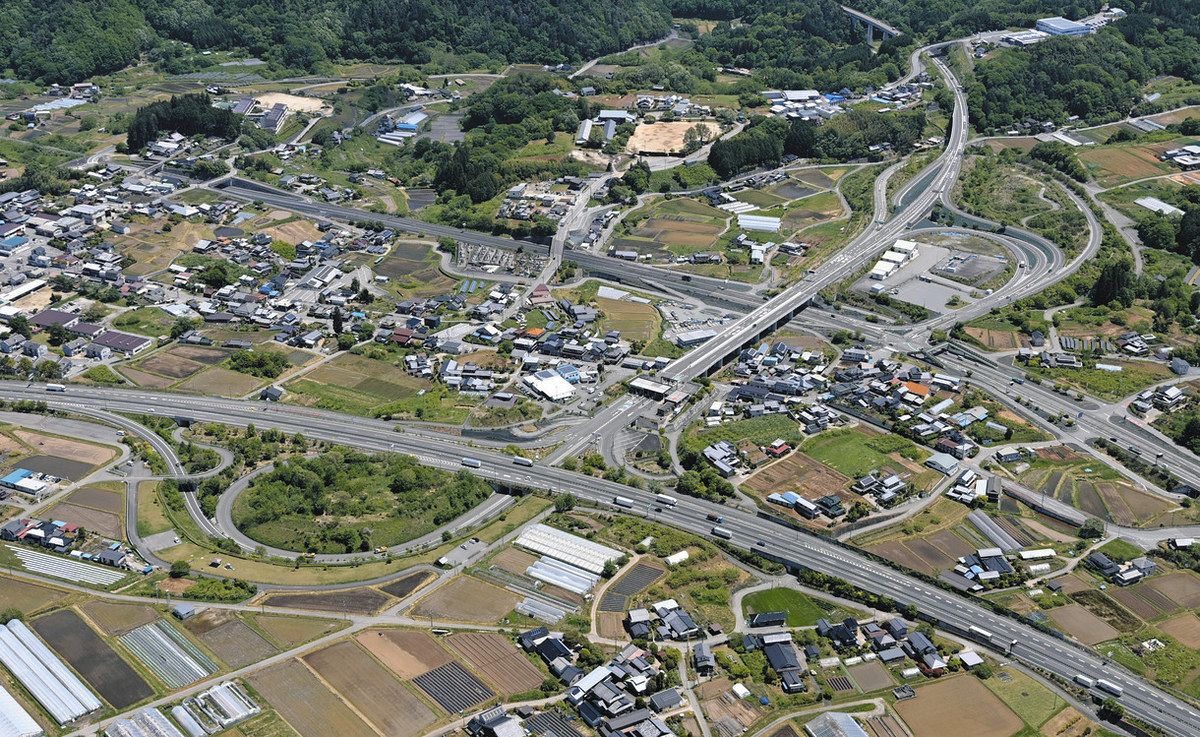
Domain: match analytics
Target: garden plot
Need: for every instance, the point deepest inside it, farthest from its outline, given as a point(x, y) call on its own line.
point(371, 689)
point(1144, 601)
point(93, 520)
point(306, 703)
point(290, 632)
point(102, 499)
point(1181, 587)
point(231, 639)
point(63, 468)
point(453, 688)
point(995, 340)
point(638, 579)
point(406, 653)
point(681, 226)
point(870, 676)
point(357, 601)
point(963, 702)
point(497, 660)
point(167, 653)
point(798, 472)
point(92, 658)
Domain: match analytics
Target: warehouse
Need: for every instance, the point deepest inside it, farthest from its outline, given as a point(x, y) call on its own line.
point(1060, 26)
point(14, 720)
point(572, 549)
point(550, 385)
point(44, 675)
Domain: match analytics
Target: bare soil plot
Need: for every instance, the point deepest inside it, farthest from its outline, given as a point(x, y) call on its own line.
point(1156, 599)
point(840, 684)
point(102, 499)
point(635, 320)
point(1113, 165)
point(963, 702)
point(171, 366)
point(1182, 587)
point(357, 601)
point(995, 340)
point(497, 660)
point(453, 688)
point(514, 560)
point(145, 379)
point(28, 597)
point(870, 676)
point(305, 703)
point(900, 553)
point(117, 619)
point(886, 726)
point(720, 704)
point(371, 689)
point(222, 382)
point(1082, 624)
point(92, 658)
point(408, 654)
point(1088, 499)
point(800, 473)
point(610, 624)
point(1068, 723)
point(105, 523)
point(1072, 583)
point(230, 639)
point(467, 599)
point(290, 632)
point(950, 544)
point(295, 232)
point(931, 554)
point(402, 587)
point(64, 468)
point(664, 138)
point(1185, 628)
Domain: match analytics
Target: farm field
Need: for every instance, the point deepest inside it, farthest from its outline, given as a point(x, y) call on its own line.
point(28, 597)
point(87, 455)
point(871, 676)
point(357, 601)
point(467, 599)
point(402, 587)
point(1181, 587)
point(1185, 628)
point(497, 660)
point(406, 653)
point(98, 664)
point(229, 638)
point(962, 701)
point(117, 619)
point(371, 689)
point(679, 226)
point(454, 688)
point(306, 703)
point(1033, 703)
point(1113, 386)
point(1092, 487)
point(97, 498)
point(93, 520)
point(994, 340)
point(635, 320)
point(412, 270)
point(290, 632)
point(1082, 624)
point(374, 388)
point(1119, 163)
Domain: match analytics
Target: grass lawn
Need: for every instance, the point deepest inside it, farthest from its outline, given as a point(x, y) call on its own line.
point(635, 320)
point(149, 321)
point(1109, 385)
point(1121, 550)
point(759, 430)
point(152, 518)
point(1032, 702)
point(802, 610)
point(855, 453)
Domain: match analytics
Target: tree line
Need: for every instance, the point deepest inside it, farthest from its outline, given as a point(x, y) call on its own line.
point(186, 114)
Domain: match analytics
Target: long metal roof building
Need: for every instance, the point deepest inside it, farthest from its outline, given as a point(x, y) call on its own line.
point(44, 675)
point(14, 720)
point(578, 551)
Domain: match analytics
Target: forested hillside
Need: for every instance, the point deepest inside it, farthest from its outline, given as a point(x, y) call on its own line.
point(793, 44)
point(67, 40)
point(940, 19)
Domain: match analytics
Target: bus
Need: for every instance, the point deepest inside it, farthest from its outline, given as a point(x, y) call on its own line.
point(522, 461)
point(664, 499)
point(722, 533)
point(472, 463)
point(979, 633)
point(1109, 687)
point(623, 501)
point(55, 388)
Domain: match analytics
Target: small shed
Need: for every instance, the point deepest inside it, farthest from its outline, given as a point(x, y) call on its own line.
point(183, 610)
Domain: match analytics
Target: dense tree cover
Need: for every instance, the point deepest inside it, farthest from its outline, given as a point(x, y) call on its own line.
point(1180, 235)
point(801, 45)
point(942, 19)
point(1061, 157)
point(264, 364)
point(187, 114)
point(1095, 77)
point(344, 500)
point(69, 40)
point(844, 138)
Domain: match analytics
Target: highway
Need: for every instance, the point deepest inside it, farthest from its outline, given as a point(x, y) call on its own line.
point(717, 292)
point(781, 308)
point(749, 531)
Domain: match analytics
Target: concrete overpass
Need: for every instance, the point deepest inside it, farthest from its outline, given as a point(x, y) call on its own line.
point(872, 25)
